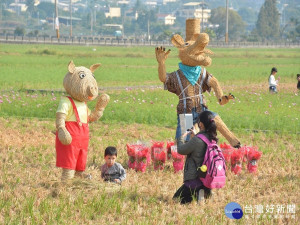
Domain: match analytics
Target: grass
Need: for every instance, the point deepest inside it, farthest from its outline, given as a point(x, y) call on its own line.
point(30, 191)
point(43, 67)
point(256, 108)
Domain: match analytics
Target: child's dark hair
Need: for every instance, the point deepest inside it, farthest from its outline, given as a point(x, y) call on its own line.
point(274, 69)
point(298, 75)
point(207, 118)
point(110, 150)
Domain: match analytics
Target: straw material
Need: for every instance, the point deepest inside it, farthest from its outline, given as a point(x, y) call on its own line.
point(64, 136)
point(177, 41)
point(80, 83)
point(223, 129)
point(102, 102)
point(67, 174)
point(213, 82)
point(192, 27)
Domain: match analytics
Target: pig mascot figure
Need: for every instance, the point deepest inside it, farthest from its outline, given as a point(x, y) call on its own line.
point(191, 80)
point(72, 118)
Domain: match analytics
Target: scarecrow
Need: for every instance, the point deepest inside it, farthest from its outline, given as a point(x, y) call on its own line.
point(72, 118)
point(191, 80)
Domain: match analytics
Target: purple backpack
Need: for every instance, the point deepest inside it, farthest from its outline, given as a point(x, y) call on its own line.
point(215, 163)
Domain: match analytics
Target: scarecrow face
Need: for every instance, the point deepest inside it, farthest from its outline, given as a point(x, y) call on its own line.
point(80, 82)
point(193, 52)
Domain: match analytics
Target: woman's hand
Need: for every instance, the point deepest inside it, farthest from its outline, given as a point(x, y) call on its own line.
point(192, 132)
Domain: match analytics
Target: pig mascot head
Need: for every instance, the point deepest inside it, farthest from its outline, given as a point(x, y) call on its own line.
point(80, 82)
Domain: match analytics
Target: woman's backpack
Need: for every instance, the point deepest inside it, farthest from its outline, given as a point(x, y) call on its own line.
point(215, 163)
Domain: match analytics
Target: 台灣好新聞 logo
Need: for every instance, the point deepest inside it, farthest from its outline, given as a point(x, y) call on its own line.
point(233, 210)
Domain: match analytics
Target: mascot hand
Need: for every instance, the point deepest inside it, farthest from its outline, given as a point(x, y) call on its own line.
point(64, 136)
point(161, 54)
point(225, 99)
point(102, 102)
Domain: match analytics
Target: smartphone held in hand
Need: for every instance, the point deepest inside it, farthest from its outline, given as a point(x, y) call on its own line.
point(186, 123)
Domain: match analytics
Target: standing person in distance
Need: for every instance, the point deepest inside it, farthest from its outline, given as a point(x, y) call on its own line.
point(273, 83)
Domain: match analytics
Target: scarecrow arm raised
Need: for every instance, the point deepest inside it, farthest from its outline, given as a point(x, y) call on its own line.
point(63, 134)
point(161, 56)
point(222, 99)
point(100, 106)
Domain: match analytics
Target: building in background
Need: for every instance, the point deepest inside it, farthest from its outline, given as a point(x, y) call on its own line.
point(195, 10)
point(167, 19)
point(113, 12)
point(164, 2)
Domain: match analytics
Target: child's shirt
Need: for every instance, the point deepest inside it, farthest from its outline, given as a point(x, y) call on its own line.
point(272, 81)
point(116, 171)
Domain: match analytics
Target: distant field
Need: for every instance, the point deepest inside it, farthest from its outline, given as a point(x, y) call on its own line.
point(42, 66)
point(243, 72)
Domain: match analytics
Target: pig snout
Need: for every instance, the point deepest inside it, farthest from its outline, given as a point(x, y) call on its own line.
point(92, 91)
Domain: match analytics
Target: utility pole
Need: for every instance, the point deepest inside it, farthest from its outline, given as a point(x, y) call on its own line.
point(148, 29)
point(70, 18)
point(56, 20)
point(91, 22)
point(202, 28)
point(226, 34)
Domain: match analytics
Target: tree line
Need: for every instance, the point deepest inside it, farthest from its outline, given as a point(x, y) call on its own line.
point(271, 22)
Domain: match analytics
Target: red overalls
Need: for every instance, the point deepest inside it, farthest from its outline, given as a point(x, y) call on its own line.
point(74, 155)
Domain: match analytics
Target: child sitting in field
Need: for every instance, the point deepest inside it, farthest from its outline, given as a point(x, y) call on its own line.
point(112, 171)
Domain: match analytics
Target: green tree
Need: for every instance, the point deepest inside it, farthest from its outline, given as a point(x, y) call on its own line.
point(19, 31)
point(236, 25)
point(31, 8)
point(47, 8)
point(144, 17)
point(294, 29)
point(138, 6)
point(166, 35)
point(210, 33)
point(267, 24)
point(248, 15)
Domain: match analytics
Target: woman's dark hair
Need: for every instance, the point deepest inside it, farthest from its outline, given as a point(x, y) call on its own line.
point(110, 151)
point(207, 118)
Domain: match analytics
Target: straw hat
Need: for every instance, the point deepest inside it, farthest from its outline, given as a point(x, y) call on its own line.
point(192, 27)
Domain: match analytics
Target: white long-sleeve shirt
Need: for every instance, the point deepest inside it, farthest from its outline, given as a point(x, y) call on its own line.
point(272, 81)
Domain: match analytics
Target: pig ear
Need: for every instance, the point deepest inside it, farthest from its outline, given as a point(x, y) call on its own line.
point(94, 67)
point(177, 41)
point(71, 67)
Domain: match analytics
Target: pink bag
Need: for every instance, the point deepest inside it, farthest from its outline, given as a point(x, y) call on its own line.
point(215, 163)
